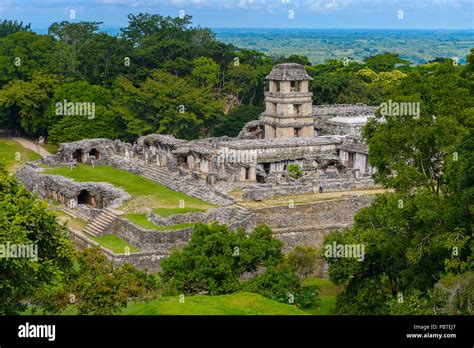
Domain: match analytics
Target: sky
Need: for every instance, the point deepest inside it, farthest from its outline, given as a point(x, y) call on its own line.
point(337, 14)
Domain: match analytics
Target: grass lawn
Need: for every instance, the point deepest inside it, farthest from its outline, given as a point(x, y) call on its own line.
point(146, 194)
point(243, 303)
point(9, 150)
point(234, 304)
point(115, 243)
point(52, 148)
point(327, 293)
point(165, 212)
point(141, 220)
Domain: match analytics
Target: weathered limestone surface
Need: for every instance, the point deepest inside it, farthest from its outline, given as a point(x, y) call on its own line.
point(266, 191)
point(307, 224)
point(67, 191)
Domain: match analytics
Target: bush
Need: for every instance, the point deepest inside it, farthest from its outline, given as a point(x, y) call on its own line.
point(215, 258)
point(294, 171)
point(302, 260)
point(97, 287)
point(283, 285)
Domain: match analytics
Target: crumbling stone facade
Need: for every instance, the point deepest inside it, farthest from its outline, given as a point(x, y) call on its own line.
point(324, 141)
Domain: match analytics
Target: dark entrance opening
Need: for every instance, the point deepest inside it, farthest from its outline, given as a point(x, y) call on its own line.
point(247, 173)
point(183, 159)
point(85, 197)
point(95, 153)
point(77, 155)
point(266, 168)
point(260, 179)
point(351, 160)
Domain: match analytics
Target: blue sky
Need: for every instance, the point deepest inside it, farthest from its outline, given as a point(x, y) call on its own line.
point(377, 14)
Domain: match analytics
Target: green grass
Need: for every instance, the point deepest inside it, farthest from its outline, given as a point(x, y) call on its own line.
point(8, 151)
point(327, 293)
point(144, 192)
point(115, 243)
point(51, 148)
point(243, 303)
point(166, 212)
point(234, 304)
point(141, 220)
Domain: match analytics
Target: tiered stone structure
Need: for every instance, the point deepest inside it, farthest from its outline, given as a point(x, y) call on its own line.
point(289, 104)
point(324, 141)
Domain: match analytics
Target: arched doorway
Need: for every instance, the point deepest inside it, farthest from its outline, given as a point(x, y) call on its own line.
point(77, 155)
point(85, 197)
point(95, 153)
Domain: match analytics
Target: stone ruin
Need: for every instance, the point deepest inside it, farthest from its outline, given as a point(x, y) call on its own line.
point(324, 141)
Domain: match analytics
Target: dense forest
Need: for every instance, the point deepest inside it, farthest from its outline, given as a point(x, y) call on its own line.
point(160, 75)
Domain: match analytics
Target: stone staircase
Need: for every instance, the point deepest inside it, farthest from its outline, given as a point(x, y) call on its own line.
point(241, 217)
point(101, 223)
point(195, 188)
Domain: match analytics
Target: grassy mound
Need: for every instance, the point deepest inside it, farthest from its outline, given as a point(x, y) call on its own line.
point(234, 304)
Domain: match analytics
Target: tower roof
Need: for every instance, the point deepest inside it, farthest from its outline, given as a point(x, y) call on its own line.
point(288, 72)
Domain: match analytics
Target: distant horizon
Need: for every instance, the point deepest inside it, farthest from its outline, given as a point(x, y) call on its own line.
point(255, 14)
point(296, 28)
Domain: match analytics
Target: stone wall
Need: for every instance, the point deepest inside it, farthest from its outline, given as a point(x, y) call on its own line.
point(151, 240)
point(231, 216)
point(307, 224)
point(144, 260)
point(66, 190)
point(266, 191)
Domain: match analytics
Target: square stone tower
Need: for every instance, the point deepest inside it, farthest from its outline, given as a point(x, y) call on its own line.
point(288, 103)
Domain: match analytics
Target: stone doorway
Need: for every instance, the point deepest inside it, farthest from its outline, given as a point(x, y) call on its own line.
point(77, 155)
point(95, 153)
point(86, 198)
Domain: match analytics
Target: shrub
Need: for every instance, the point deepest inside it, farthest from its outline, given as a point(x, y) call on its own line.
point(283, 285)
point(302, 260)
point(294, 171)
point(215, 258)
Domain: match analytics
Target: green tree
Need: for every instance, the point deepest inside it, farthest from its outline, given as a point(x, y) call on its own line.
point(281, 283)
point(165, 103)
point(26, 221)
point(73, 38)
point(23, 53)
point(205, 72)
point(385, 62)
point(216, 257)
point(232, 124)
point(302, 260)
point(27, 101)
point(101, 289)
point(104, 123)
point(422, 230)
point(8, 27)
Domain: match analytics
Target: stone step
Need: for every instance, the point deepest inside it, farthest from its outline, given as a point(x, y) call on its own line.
point(101, 222)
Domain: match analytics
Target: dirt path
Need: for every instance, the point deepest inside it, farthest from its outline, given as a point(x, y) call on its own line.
point(29, 144)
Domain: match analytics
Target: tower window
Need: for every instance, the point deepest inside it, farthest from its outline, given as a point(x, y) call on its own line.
point(296, 132)
point(295, 86)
